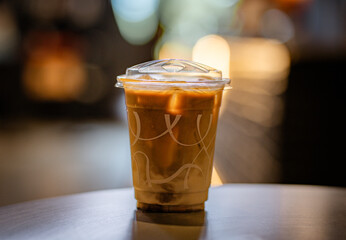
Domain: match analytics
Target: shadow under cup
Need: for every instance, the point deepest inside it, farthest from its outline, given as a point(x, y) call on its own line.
point(151, 225)
point(172, 136)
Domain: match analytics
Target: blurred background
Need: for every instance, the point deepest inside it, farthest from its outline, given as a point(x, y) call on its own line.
point(63, 124)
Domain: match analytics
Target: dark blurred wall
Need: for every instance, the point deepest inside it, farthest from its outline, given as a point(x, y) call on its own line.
point(314, 122)
point(313, 148)
point(92, 36)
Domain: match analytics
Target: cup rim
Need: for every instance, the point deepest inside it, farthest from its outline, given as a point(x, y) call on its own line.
point(174, 81)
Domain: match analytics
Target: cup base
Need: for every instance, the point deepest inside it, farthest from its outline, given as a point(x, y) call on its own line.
point(170, 208)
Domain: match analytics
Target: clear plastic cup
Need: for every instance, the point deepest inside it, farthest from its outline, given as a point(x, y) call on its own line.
point(172, 109)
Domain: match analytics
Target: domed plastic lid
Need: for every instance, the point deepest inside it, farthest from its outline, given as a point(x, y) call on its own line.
point(172, 71)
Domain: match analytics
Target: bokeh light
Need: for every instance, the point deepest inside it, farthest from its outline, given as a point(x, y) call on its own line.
point(137, 20)
point(54, 76)
point(258, 58)
point(53, 71)
point(214, 51)
point(174, 50)
point(185, 22)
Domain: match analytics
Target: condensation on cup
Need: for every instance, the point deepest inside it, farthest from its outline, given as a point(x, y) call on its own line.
point(172, 109)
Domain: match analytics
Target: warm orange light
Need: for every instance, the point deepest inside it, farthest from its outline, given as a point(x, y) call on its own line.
point(214, 51)
point(58, 76)
point(258, 58)
point(174, 50)
point(215, 178)
point(54, 69)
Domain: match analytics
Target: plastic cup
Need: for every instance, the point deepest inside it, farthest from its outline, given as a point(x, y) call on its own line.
point(172, 108)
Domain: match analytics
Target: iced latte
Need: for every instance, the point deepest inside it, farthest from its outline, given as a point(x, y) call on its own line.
point(172, 118)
